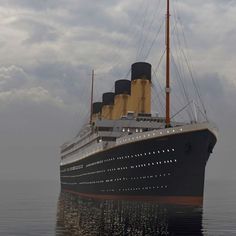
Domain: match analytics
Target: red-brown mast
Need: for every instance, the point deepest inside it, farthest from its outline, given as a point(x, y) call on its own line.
point(168, 65)
point(91, 108)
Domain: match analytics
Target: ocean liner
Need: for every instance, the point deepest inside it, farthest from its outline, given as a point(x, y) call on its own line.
point(127, 152)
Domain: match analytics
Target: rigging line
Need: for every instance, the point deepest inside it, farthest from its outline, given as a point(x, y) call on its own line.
point(133, 20)
point(181, 78)
point(160, 63)
point(127, 74)
point(203, 114)
point(195, 85)
point(98, 99)
point(85, 116)
point(163, 22)
point(160, 60)
point(190, 71)
point(181, 84)
point(142, 28)
point(180, 69)
point(162, 95)
point(187, 61)
point(180, 72)
point(149, 28)
point(163, 91)
point(154, 40)
point(156, 69)
point(112, 88)
point(178, 43)
point(180, 65)
point(181, 109)
point(158, 97)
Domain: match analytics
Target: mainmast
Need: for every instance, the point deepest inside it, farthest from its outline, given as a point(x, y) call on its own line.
point(91, 108)
point(168, 64)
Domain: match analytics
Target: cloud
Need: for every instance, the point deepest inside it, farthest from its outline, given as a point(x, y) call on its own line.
point(31, 4)
point(48, 49)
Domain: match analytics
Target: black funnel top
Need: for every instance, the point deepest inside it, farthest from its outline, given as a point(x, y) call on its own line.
point(97, 107)
point(122, 87)
point(141, 70)
point(108, 98)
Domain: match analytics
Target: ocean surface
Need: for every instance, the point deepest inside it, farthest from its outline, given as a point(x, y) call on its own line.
point(38, 208)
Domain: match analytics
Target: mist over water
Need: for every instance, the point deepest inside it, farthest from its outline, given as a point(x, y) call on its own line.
point(38, 208)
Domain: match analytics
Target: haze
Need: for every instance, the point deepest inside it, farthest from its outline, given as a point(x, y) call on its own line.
point(49, 47)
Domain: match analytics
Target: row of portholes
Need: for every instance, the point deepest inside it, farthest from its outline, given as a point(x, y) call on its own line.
point(145, 154)
point(66, 183)
point(143, 136)
point(132, 139)
point(94, 163)
point(125, 179)
point(84, 174)
point(149, 164)
point(144, 165)
point(118, 169)
point(146, 188)
point(79, 167)
point(149, 176)
point(132, 156)
point(112, 159)
point(153, 163)
point(92, 182)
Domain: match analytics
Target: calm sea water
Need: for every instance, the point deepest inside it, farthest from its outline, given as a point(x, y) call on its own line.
point(38, 208)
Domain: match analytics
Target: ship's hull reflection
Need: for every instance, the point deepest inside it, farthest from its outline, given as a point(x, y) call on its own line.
point(79, 216)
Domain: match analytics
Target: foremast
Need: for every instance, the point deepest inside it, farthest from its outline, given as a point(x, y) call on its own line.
point(168, 65)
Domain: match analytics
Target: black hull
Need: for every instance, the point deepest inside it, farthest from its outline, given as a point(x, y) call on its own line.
point(170, 166)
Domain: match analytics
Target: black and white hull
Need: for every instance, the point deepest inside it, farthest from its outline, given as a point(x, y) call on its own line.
point(167, 163)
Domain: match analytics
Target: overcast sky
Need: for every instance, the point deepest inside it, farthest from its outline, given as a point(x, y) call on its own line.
point(47, 51)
